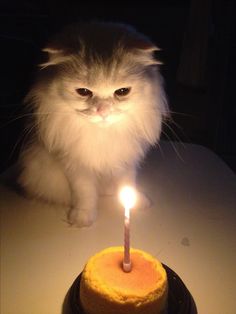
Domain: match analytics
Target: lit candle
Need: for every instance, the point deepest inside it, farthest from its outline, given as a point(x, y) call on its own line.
point(128, 199)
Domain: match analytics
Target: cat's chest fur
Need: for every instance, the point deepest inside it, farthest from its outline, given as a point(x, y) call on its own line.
point(98, 147)
point(109, 148)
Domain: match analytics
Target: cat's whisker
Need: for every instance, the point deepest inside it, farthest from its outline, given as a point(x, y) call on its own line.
point(174, 133)
point(51, 113)
point(26, 115)
point(183, 114)
point(173, 145)
point(24, 136)
point(181, 130)
point(84, 112)
point(170, 120)
point(160, 149)
point(12, 120)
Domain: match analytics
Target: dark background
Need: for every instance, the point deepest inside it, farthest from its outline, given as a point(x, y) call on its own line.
point(197, 38)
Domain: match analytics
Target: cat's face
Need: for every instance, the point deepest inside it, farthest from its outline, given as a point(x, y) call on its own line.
point(105, 100)
point(104, 73)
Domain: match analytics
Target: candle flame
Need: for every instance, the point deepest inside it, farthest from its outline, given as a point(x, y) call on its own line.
point(128, 197)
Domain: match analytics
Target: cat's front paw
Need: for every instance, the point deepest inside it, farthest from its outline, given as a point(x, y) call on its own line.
point(81, 217)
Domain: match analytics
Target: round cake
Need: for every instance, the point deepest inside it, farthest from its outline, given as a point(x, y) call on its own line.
point(106, 289)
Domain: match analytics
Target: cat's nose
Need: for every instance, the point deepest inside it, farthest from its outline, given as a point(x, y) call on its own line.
point(103, 109)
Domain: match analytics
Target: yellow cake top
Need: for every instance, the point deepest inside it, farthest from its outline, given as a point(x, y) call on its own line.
point(104, 274)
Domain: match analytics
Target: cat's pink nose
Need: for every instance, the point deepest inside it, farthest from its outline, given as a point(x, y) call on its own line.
point(103, 110)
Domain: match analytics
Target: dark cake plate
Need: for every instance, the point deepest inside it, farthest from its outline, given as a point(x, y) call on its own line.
point(180, 300)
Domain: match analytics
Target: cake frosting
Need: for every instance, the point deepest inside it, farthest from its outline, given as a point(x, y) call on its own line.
point(106, 289)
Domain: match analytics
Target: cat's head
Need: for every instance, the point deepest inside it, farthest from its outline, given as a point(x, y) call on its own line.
point(104, 71)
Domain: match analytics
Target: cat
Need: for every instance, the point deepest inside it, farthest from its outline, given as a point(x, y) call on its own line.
point(97, 104)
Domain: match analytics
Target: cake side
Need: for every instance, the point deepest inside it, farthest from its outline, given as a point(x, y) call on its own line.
point(106, 289)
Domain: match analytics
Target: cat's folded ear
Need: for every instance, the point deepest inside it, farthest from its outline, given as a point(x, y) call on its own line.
point(53, 56)
point(146, 49)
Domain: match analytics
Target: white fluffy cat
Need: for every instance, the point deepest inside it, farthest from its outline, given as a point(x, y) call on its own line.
point(98, 104)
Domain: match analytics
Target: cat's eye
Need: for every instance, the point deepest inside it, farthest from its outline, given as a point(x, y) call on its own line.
point(84, 92)
point(122, 91)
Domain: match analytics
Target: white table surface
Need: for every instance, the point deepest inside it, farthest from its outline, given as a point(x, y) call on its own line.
point(191, 227)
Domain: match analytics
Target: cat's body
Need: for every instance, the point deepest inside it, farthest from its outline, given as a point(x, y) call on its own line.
point(98, 106)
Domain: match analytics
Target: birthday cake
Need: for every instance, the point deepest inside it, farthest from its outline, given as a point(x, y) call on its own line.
point(106, 289)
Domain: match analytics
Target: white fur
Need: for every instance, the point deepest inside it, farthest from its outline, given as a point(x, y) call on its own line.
point(75, 154)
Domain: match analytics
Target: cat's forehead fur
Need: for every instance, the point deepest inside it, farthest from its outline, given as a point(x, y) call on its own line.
point(101, 49)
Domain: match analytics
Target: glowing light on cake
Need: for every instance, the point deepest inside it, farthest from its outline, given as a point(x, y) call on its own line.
point(128, 200)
